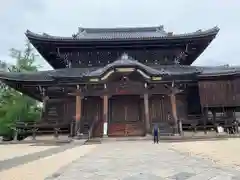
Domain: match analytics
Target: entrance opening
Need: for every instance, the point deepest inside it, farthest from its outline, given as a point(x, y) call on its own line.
point(125, 118)
point(125, 108)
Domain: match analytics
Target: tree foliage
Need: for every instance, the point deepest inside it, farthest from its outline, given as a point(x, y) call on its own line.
point(15, 106)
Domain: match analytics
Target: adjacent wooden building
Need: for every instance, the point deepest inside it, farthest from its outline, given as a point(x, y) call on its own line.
point(121, 81)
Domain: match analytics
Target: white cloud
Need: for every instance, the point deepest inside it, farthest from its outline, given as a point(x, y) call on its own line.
point(61, 17)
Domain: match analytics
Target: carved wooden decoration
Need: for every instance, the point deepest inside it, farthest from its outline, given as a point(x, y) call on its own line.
point(92, 58)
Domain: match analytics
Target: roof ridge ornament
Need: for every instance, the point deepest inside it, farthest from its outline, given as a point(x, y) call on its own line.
point(45, 34)
point(81, 32)
point(125, 56)
point(160, 28)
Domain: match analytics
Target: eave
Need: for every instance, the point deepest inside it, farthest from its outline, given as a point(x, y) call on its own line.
point(218, 72)
point(47, 45)
point(49, 38)
point(28, 83)
point(19, 86)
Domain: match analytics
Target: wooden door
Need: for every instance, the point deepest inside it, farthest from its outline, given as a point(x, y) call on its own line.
point(125, 109)
point(125, 116)
point(160, 108)
point(118, 110)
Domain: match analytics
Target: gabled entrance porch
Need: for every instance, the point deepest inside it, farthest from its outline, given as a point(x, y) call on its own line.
point(131, 94)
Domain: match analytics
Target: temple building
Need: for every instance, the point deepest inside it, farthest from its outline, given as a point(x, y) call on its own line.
point(121, 81)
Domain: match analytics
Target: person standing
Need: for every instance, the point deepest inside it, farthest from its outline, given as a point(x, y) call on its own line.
point(155, 134)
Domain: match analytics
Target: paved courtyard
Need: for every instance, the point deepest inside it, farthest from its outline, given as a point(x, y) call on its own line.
point(127, 160)
point(224, 152)
point(143, 160)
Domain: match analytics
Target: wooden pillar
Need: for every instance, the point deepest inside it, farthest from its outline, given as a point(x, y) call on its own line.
point(174, 111)
point(105, 115)
point(214, 116)
point(72, 130)
point(78, 112)
point(45, 98)
point(215, 125)
point(205, 119)
point(146, 112)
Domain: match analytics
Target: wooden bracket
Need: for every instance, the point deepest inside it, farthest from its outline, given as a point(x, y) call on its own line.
point(108, 95)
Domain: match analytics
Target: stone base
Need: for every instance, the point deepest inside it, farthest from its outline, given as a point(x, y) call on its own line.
point(80, 136)
point(105, 136)
point(105, 128)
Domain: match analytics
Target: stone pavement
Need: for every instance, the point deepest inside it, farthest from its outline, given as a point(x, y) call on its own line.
point(222, 152)
point(142, 160)
point(29, 156)
point(45, 166)
point(11, 151)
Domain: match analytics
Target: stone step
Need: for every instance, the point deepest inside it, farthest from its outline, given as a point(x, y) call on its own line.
point(93, 141)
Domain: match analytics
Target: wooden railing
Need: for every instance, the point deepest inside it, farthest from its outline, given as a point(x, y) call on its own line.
point(35, 128)
point(198, 123)
point(92, 128)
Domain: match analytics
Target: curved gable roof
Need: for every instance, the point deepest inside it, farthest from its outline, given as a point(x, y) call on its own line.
point(123, 62)
point(126, 61)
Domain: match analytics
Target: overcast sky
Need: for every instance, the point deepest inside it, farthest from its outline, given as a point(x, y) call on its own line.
point(63, 17)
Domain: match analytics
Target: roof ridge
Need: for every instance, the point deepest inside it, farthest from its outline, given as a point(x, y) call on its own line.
point(122, 29)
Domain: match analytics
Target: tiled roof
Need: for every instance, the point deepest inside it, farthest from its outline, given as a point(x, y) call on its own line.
point(119, 33)
point(126, 61)
point(85, 34)
point(219, 70)
point(178, 69)
point(123, 61)
point(25, 76)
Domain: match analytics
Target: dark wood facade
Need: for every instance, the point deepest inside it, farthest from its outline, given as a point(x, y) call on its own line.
point(119, 82)
point(223, 91)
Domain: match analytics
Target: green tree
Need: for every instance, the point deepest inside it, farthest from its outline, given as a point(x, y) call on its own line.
point(15, 106)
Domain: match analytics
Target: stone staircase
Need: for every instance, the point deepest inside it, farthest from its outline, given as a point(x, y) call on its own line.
point(134, 129)
point(165, 129)
point(52, 119)
point(53, 112)
point(126, 129)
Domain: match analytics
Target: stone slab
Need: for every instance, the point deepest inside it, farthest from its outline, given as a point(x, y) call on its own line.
point(142, 160)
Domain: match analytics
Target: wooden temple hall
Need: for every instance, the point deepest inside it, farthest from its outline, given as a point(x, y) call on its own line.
point(122, 81)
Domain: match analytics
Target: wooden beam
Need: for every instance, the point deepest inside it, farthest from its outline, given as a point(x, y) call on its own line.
point(75, 93)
